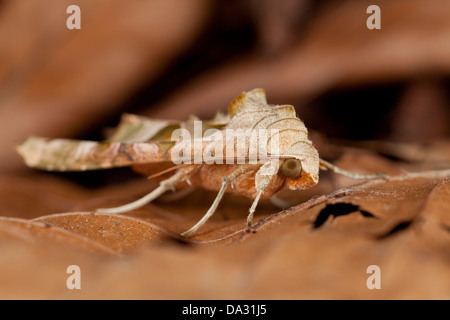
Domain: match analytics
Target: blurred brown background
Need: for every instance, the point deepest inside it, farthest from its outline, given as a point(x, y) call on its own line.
point(386, 91)
point(170, 59)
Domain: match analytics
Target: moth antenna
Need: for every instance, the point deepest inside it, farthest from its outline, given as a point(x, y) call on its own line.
point(325, 165)
point(160, 173)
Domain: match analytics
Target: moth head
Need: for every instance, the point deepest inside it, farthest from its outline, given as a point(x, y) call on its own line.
point(302, 171)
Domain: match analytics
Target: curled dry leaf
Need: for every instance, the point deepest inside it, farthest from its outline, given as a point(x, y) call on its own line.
point(35, 231)
point(119, 233)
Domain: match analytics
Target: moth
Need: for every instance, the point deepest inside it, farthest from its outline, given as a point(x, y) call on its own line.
point(210, 157)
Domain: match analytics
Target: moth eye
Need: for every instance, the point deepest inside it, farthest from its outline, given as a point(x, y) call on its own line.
point(292, 168)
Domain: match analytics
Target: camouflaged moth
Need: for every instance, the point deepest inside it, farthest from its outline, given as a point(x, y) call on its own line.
point(149, 147)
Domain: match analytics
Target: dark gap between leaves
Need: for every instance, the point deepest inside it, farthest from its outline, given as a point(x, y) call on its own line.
point(445, 227)
point(338, 209)
point(399, 227)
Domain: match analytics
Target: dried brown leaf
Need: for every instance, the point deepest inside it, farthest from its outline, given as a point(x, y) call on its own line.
point(119, 233)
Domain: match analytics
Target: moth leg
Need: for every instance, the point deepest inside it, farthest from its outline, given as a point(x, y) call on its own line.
point(226, 180)
point(164, 186)
point(252, 212)
point(210, 211)
point(325, 165)
point(262, 180)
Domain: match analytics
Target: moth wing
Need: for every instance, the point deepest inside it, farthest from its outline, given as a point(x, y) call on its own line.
point(257, 96)
point(137, 141)
point(286, 111)
point(247, 100)
point(220, 120)
point(78, 155)
point(134, 128)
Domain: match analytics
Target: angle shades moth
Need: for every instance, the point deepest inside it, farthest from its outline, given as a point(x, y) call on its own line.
point(274, 152)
